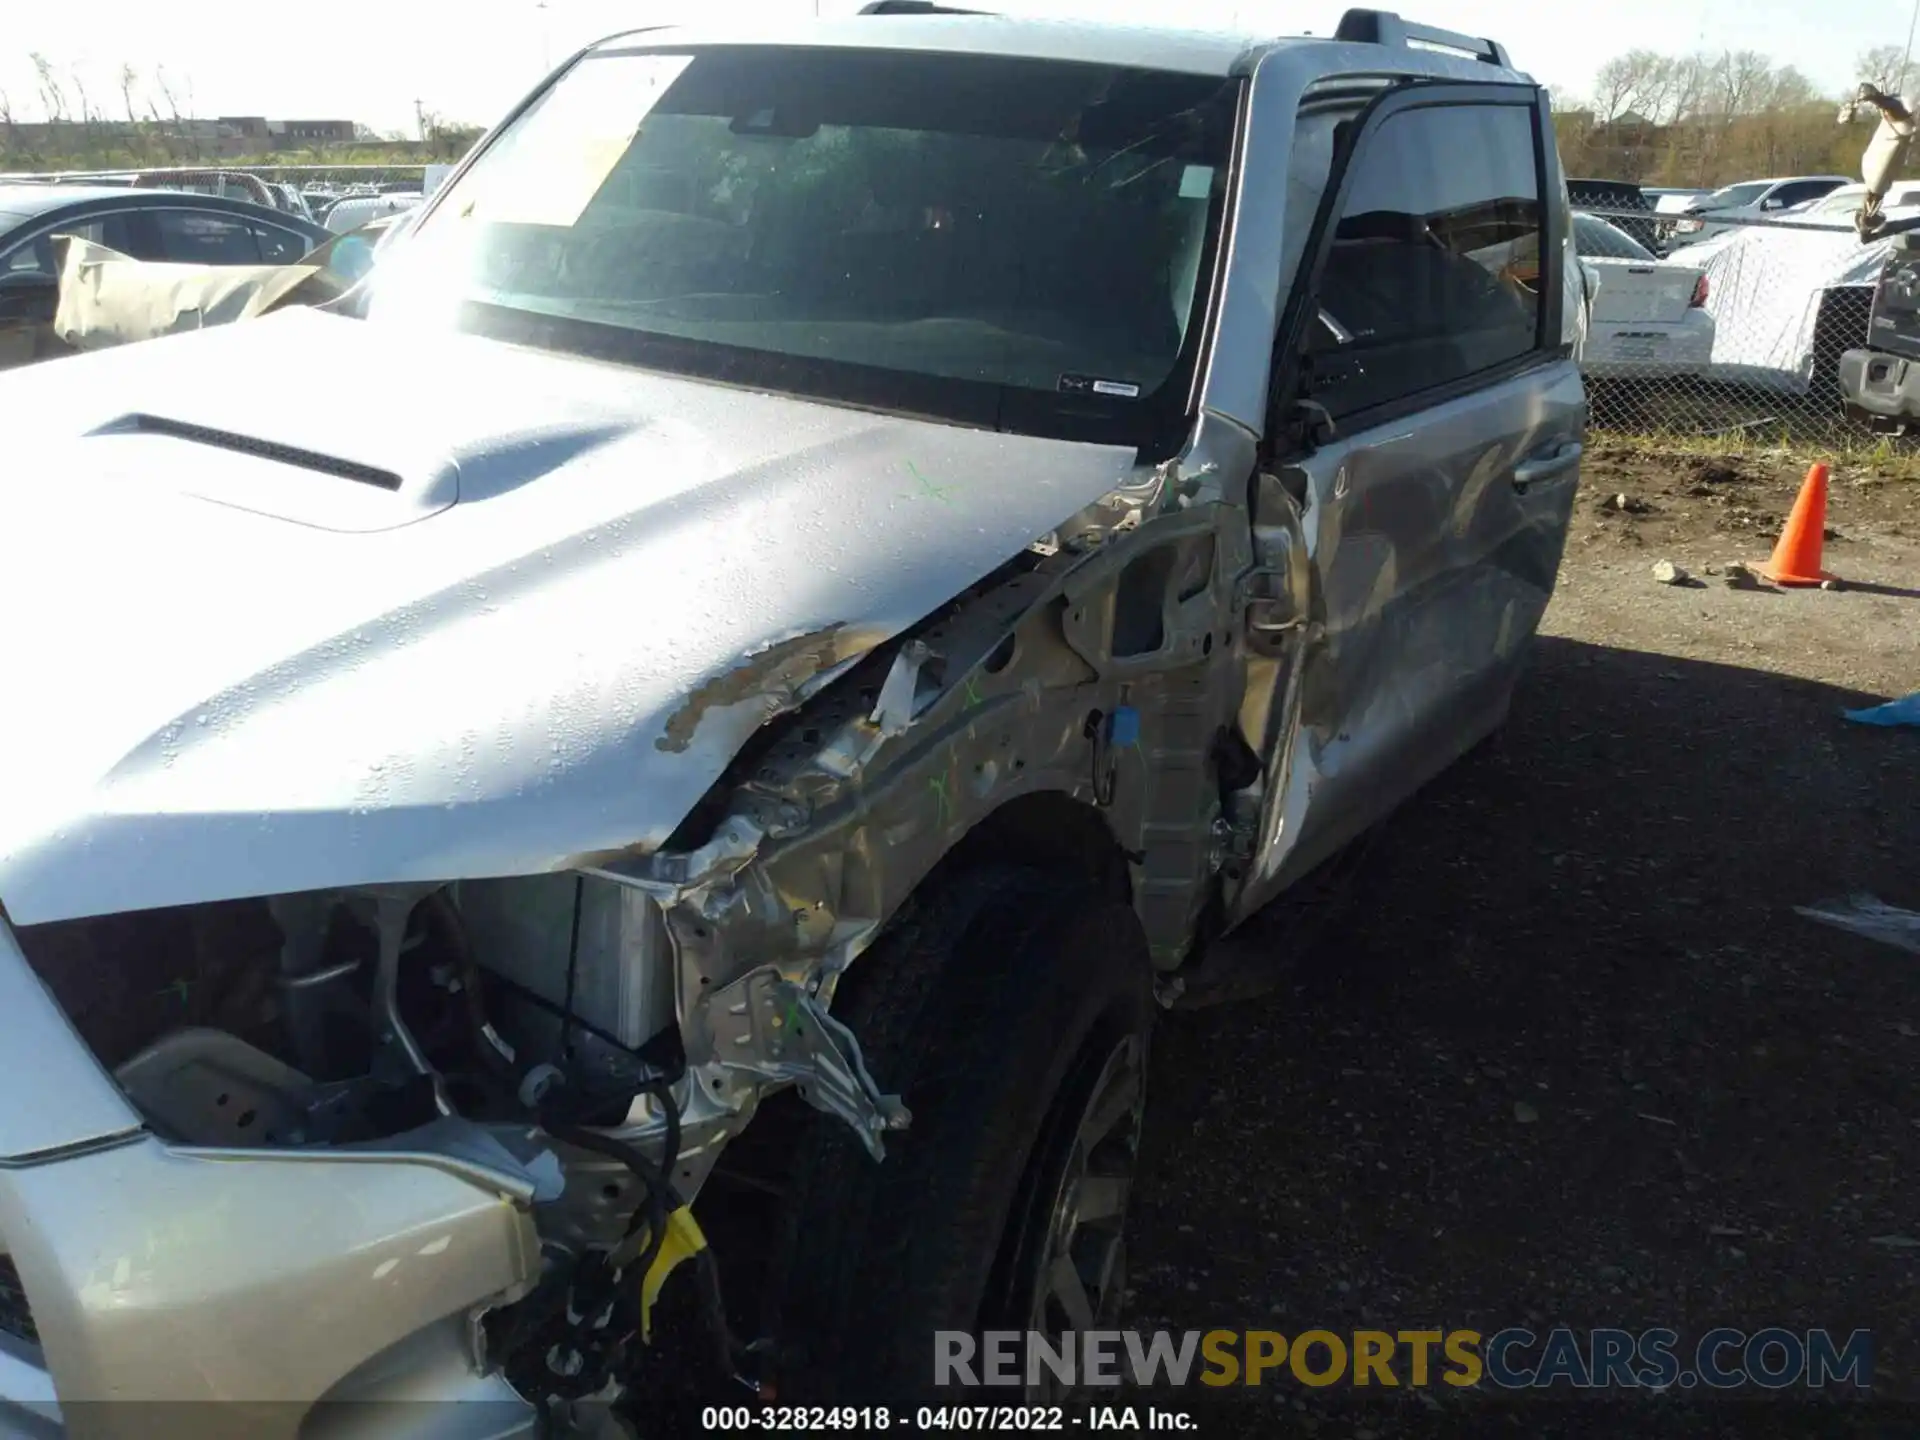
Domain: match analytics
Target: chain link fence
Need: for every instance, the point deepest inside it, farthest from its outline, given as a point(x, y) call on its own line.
point(1705, 324)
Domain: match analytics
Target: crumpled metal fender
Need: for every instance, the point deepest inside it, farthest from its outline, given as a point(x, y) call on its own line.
point(1001, 700)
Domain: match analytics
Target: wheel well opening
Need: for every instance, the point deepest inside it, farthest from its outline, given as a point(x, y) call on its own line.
point(1048, 831)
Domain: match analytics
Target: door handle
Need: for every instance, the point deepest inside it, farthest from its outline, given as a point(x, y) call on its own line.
point(1545, 467)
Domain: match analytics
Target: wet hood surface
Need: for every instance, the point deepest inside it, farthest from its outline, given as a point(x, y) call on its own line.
point(297, 603)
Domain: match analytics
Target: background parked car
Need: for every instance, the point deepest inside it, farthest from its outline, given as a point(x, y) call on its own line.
point(353, 211)
point(1669, 204)
point(1646, 317)
point(285, 197)
point(1614, 196)
point(1749, 200)
point(1838, 207)
point(1670, 199)
point(144, 224)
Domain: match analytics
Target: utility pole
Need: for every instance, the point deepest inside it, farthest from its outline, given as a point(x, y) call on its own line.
point(420, 119)
point(1900, 85)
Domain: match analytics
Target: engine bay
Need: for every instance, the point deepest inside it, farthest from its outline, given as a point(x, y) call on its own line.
point(520, 1027)
point(347, 1017)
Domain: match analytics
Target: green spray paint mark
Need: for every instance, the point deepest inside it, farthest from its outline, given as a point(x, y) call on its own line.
point(973, 693)
point(928, 490)
point(944, 806)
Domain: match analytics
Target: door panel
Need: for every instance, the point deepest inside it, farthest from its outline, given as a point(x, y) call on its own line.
point(1433, 561)
point(1433, 515)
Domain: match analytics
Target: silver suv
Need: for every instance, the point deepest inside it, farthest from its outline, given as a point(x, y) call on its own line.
point(728, 678)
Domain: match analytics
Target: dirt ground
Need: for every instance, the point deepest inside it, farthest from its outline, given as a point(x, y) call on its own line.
point(1571, 1058)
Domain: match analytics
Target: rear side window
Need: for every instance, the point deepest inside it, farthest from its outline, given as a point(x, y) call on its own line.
point(1800, 192)
point(277, 246)
point(1594, 238)
point(1434, 270)
point(200, 237)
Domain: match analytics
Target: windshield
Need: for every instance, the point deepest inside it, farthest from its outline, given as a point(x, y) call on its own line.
point(1734, 195)
point(1007, 242)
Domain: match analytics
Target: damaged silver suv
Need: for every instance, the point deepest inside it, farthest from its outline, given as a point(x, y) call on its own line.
point(630, 789)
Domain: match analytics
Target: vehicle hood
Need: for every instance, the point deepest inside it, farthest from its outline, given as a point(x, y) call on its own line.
point(308, 601)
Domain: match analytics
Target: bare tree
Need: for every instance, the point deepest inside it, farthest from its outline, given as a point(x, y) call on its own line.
point(1690, 77)
point(1787, 89)
point(1628, 94)
point(90, 138)
point(136, 140)
point(1624, 84)
point(168, 124)
point(1709, 119)
point(1740, 83)
point(183, 134)
point(53, 97)
point(1883, 67)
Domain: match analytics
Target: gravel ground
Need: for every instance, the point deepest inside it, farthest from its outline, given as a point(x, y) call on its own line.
point(1572, 1058)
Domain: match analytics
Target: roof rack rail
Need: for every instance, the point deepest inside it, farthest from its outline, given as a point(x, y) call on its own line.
point(914, 7)
point(1383, 27)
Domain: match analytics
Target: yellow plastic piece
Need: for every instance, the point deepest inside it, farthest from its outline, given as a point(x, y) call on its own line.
point(684, 1241)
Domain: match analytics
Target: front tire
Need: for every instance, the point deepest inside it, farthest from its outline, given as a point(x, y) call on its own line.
point(1012, 1011)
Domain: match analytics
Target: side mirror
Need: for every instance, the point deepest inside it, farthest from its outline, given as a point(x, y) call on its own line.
point(1311, 425)
point(350, 257)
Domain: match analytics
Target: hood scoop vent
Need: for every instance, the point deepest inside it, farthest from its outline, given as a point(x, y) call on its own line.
point(257, 448)
point(299, 483)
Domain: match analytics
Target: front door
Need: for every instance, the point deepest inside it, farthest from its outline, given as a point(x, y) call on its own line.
point(1432, 466)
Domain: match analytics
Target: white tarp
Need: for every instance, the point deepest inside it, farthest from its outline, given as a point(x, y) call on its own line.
point(1764, 291)
point(108, 299)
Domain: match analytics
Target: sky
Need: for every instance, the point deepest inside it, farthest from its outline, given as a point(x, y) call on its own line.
point(372, 62)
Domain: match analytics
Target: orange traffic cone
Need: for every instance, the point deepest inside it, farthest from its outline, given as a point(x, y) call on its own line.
point(1796, 556)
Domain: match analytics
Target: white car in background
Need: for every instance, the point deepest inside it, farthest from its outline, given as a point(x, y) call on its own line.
point(1646, 317)
point(1749, 200)
point(356, 210)
point(1672, 200)
point(1838, 207)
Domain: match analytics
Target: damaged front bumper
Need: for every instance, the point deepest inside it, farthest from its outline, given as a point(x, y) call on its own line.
point(177, 1290)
